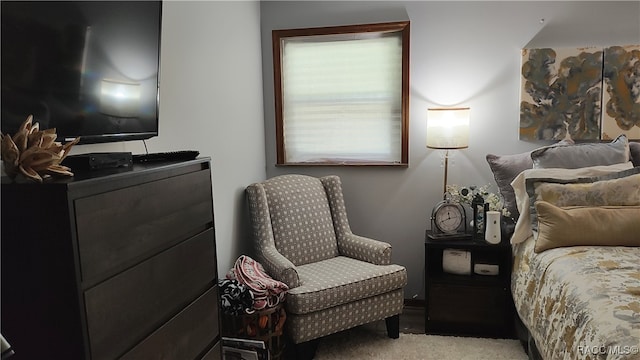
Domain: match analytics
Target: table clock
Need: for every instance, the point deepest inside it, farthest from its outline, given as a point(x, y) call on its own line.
point(448, 220)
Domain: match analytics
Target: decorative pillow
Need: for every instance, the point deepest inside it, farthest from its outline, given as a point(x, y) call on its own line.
point(522, 229)
point(582, 155)
point(615, 189)
point(634, 149)
point(586, 225)
point(505, 168)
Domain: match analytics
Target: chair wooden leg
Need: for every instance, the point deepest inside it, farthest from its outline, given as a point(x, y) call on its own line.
point(393, 326)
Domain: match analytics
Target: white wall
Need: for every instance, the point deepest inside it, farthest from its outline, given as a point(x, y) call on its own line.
point(462, 53)
point(214, 73)
point(211, 101)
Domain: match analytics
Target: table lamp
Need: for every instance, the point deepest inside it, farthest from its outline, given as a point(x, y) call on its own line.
point(447, 129)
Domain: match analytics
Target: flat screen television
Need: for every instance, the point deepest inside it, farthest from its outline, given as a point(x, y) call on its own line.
point(86, 68)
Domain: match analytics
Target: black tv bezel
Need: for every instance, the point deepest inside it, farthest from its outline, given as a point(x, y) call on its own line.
point(129, 136)
point(108, 138)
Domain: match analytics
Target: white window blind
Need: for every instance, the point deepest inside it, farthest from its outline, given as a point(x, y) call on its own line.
point(342, 98)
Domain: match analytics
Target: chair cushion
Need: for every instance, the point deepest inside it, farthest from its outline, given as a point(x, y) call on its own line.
point(341, 280)
point(301, 219)
point(305, 327)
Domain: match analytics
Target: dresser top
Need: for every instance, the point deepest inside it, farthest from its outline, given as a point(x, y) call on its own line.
point(114, 177)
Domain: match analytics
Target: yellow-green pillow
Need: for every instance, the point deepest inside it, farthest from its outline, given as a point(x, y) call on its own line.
point(586, 225)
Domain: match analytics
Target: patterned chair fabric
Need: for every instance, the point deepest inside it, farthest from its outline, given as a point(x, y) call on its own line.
point(301, 219)
point(337, 280)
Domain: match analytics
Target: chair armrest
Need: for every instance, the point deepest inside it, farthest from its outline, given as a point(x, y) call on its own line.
point(274, 263)
point(279, 267)
point(365, 249)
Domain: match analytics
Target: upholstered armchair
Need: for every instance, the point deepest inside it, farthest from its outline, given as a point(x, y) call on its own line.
point(337, 280)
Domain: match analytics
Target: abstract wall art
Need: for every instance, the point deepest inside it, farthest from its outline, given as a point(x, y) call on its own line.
point(591, 92)
point(621, 98)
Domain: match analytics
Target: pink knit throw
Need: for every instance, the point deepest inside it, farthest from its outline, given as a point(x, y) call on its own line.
point(267, 292)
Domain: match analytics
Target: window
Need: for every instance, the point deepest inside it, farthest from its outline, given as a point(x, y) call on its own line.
point(342, 95)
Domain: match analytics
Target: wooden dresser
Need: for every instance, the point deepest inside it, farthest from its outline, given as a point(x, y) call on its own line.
point(116, 263)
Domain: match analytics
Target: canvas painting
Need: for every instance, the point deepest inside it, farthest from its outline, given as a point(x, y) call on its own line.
point(621, 96)
point(561, 90)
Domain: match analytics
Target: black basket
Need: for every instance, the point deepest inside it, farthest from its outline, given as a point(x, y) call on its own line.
point(265, 325)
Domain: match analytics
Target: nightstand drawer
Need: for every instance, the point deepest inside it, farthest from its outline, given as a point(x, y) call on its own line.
point(186, 335)
point(138, 300)
point(462, 304)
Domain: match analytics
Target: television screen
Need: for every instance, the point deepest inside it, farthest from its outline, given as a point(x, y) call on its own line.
point(86, 68)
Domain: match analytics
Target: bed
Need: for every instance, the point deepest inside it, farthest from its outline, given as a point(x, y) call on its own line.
point(579, 302)
point(576, 251)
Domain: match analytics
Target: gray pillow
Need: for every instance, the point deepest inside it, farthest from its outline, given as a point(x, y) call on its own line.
point(634, 148)
point(582, 155)
point(505, 168)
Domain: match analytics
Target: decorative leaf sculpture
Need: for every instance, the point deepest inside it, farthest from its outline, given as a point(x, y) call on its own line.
point(35, 153)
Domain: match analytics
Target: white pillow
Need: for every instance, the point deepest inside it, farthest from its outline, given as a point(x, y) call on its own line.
point(523, 229)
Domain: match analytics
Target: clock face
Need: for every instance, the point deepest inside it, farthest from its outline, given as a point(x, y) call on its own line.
point(448, 218)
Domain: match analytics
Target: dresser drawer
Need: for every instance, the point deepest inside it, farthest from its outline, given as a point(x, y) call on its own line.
point(138, 300)
point(215, 353)
point(186, 335)
point(119, 228)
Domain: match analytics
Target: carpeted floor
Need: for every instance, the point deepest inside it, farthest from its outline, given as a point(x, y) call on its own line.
point(368, 343)
point(371, 342)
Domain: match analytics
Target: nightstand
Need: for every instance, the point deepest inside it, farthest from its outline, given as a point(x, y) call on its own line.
point(473, 304)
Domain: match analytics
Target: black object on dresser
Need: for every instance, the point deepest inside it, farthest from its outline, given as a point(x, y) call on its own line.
point(469, 305)
point(116, 263)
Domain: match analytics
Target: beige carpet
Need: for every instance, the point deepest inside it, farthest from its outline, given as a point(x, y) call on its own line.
point(363, 343)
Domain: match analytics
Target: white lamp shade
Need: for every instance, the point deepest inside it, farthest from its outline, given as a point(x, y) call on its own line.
point(448, 128)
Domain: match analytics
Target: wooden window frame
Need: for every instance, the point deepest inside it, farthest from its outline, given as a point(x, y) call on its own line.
point(277, 35)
